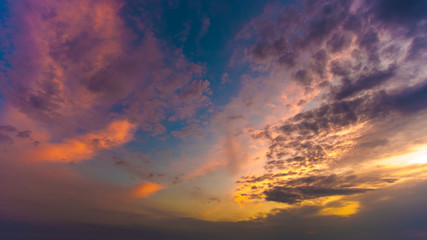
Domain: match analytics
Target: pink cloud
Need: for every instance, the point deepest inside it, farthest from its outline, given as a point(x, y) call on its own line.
point(73, 62)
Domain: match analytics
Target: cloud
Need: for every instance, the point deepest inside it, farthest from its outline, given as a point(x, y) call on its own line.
point(356, 81)
point(205, 27)
point(299, 189)
point(295, 195)
point(24, 134)
point(85, 147)
point(146, 189)
point(8, 128)
point(5, 138)
point(225, 78)
point(72, 69)
point(338, 42)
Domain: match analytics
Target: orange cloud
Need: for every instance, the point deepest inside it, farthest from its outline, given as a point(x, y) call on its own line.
point(146, 189)
point(85, 147)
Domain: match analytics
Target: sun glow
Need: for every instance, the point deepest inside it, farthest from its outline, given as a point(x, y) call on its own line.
point(345, 209)
point(417, 156)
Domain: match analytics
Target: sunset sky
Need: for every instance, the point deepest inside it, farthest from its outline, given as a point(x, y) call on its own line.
point(225, 119)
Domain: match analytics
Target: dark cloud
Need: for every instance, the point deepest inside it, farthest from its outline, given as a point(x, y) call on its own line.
point(303, 77)
point(366, 81)
point(287, 59)
point(293, 189)
point(267, 176)
point(353, 23)
point(7, 128)
point(118, 161)
point(263, 50)
point(213, 199)
point(24, 134)
point(340, 68)
point(260, 50)
point(301, 102)
point(323, 21)
point(390, 180)
point(320, 61)
point(295, 195)
point(369, 40)
point(305, 137)
point(338, 42)
point(410, 100)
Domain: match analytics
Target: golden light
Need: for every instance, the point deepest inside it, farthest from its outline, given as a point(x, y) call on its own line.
point(343, 209)
point(417, 156)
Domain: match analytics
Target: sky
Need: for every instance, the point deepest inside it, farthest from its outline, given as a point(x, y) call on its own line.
point(191, 119)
